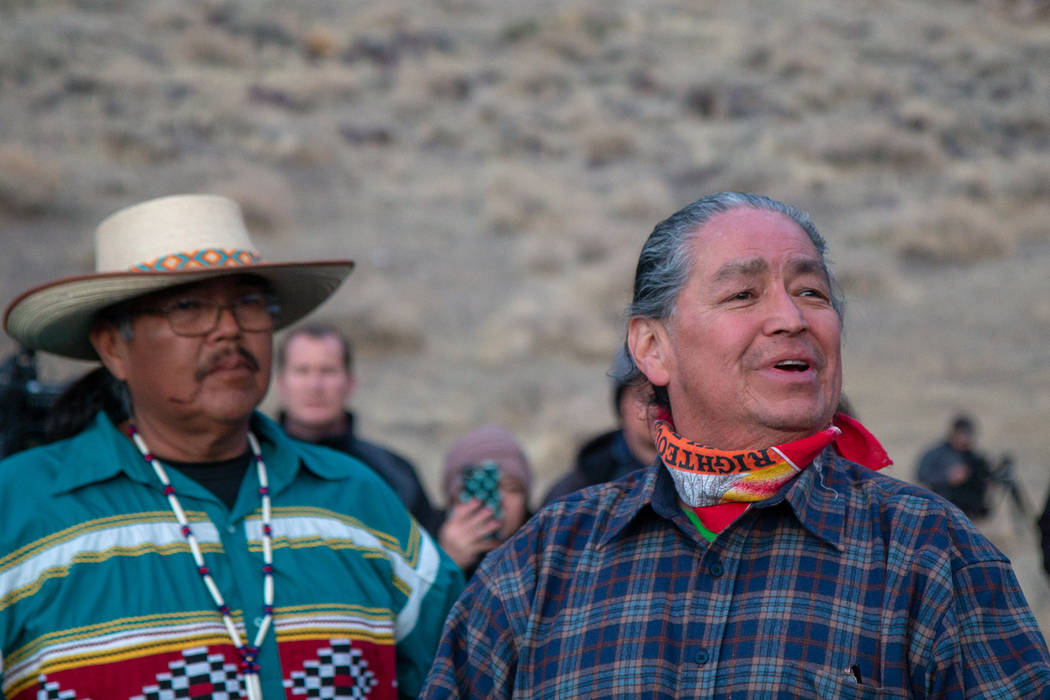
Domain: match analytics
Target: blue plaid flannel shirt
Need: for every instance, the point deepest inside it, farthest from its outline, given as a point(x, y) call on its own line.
point(847, 584)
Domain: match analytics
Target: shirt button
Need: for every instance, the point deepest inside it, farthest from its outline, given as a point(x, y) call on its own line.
point(716, 568)
point(702, 656)
point(231, 529)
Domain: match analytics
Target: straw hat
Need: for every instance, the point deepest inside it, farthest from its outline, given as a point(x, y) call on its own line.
point(155, 245)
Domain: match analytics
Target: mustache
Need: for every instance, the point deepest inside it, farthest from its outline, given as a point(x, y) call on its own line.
point(212, 361)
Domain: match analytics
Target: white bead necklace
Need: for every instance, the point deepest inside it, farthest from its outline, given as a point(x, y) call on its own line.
point(249, 665)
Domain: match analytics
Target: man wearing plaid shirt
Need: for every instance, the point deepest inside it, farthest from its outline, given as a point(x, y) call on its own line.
point(762, 555)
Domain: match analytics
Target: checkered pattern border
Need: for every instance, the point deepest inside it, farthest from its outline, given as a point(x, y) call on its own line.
point(197, 675)
point(339, 672)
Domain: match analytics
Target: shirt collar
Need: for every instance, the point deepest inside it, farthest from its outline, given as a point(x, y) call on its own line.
point(816, 498)
point(101, 451)
point(91, 457)
point(288, 454)
point(625, 509)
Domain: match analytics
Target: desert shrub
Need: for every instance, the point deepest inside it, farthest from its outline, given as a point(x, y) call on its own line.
point(956, 231)
point(28, 184)
point(432, 77)
point(520, 198)
point(320, 43)
point(604, 144)
point(214, 47)
point(1028, 178)
point(725, 100)
point(538, 76)
point(1022, 10)
point(265, 197)
point(876, 145)
point(556, 318)
point(647, 202)
point(920, 113)
point(1032, 221)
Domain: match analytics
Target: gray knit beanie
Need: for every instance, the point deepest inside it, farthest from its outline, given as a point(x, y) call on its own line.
point(490, 442)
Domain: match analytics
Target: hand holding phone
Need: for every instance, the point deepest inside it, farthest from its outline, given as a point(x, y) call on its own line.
point(481, 481)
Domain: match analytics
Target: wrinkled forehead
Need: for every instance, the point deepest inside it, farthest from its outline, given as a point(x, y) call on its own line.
point(747, 241)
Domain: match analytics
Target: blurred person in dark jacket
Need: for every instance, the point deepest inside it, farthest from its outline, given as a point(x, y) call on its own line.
point(954, 469)
point(1044, 535)
point(315, 382)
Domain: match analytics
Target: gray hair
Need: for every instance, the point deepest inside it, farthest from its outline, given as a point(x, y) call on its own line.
point(664, 263)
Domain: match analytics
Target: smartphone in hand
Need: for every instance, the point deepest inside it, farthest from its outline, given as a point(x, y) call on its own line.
point(481, 481)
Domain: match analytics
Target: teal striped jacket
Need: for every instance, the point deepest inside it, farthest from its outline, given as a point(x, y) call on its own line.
point(100, 598)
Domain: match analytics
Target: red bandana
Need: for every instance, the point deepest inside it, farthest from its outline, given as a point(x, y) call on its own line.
point(719, 484)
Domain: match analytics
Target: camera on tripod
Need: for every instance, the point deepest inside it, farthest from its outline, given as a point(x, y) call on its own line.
point(1002, 474)
point(25, 403)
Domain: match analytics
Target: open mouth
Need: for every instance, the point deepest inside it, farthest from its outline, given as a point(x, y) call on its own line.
point(792, 366)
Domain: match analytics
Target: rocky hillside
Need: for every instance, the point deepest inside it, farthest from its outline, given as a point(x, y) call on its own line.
point(495, 166)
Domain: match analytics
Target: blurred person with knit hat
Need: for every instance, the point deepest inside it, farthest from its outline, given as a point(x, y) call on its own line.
point(176, 540)
point(472, 528)
point(763, 554)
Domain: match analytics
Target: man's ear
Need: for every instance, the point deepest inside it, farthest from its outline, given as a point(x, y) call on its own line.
point(650, 347)
point(112, 348)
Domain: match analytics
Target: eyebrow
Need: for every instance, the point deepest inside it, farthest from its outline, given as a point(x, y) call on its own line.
point(747, 267)
point(807, 266)
point(750, 267)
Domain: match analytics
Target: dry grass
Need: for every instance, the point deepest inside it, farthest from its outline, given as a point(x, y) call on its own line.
point(29, 184)
point(955, 231)
point(1020, 10)
point(266, 198)
point(321, 43)
point(209, 46)
point(1027, 181)
point(521, 199)
point(876, 145)
point(608, 143)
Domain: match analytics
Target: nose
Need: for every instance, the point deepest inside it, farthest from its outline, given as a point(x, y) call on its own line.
point(785, 315)
point(226, 325)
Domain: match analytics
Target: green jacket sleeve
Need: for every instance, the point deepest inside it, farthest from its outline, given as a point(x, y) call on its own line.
point(420, 621)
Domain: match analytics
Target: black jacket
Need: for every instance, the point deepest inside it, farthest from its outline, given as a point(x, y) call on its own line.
point(604, 458)
point(971, 495)
point(396, 471)
point(1044, 535)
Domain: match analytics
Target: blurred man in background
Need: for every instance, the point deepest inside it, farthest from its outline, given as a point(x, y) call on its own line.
point(954, 469)
point(315, 382)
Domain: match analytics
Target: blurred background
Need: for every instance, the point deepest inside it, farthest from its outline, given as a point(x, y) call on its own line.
point(494, 167)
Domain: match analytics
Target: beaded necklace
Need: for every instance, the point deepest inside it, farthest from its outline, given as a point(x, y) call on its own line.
point(249, 665)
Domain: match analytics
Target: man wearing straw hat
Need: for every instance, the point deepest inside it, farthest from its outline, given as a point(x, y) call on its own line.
point(178, 544)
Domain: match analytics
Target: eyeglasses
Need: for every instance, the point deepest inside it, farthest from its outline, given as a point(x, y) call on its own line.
point(191, 316)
